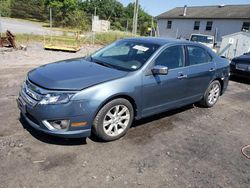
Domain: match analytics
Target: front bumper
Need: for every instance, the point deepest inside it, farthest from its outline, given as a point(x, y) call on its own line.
point(63, 134)
point(73, 111)
point(240, 73)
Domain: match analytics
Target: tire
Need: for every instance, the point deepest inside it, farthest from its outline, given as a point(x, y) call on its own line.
point(211, 95)
point(113, 120)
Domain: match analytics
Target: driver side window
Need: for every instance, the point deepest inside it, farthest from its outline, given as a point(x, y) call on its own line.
point(172, 57)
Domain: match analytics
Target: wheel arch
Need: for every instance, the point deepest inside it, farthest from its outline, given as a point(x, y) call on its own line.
point(221, 83)
point(123, 96)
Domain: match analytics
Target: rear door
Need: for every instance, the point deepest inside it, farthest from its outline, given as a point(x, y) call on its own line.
point(201, 71)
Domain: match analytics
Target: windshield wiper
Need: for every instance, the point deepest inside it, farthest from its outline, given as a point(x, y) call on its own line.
point(103, 64)
point(97, 61)
point(100, 62)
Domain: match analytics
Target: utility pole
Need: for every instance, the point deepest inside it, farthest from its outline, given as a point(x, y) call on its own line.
point(177, 33)
point(0, 26)
point(50, 22)
point(127, 27)
point(152, 27)
point(133, 26)
point(135, 18)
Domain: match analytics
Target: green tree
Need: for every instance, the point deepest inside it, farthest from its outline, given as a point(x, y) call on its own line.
point(5, 8)
point(66, 13)
point(34, 9)
point(111, 10)
point(144, 19)
point(78, 13)
point(78, 19)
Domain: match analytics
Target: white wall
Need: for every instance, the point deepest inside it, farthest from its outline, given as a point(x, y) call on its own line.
point(184, 27)
point(240, 45)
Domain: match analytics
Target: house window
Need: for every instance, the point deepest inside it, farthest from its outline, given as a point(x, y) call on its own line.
point(245, 26)
point(209, 26)
point(196, 25)
point(169, 25)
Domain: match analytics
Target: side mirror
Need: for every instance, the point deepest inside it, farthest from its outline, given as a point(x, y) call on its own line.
point(160, 70)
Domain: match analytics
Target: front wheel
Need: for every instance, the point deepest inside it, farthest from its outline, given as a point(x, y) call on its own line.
point(113, 120)
point(212, 94)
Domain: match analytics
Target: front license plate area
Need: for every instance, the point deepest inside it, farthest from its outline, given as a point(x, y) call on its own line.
point(242, 67)
point(21, 104)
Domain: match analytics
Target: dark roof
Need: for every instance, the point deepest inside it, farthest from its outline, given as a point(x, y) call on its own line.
point(209, 12)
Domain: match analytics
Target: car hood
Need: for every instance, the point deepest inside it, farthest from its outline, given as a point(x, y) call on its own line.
point(72, 74)
point(242, 59)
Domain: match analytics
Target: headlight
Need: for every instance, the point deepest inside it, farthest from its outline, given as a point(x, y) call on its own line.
point(56, 98)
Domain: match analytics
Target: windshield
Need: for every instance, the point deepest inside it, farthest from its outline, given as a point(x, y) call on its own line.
point(202, 39)
point(125, 55)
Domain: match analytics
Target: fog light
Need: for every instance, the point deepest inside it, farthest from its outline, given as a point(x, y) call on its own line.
point(57, 124)
point(60, 124)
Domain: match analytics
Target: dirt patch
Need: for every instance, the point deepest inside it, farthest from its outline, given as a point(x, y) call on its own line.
point(57, 160)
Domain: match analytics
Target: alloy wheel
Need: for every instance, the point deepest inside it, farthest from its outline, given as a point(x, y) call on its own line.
point(116, 120)
point(214, 94)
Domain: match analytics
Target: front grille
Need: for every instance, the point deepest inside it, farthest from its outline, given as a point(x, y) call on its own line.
point(243, 67)
point(33, 91)
point(27, 98)
point(30, 93)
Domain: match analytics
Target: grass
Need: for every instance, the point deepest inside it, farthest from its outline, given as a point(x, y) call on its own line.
point(26, 38)
point(98, 38)
point(111, 36)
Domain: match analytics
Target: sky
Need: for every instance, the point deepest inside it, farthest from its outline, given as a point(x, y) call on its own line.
point(156, 7)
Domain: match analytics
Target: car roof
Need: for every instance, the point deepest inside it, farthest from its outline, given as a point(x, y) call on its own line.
point(157, 40)
point(164, 41)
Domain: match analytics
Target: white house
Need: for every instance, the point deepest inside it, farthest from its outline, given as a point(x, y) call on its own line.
point(218, 21)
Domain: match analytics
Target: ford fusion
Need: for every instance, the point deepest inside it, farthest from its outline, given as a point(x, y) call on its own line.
point(130, 79)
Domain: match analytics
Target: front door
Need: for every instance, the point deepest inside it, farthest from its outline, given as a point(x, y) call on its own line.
point(162, 92)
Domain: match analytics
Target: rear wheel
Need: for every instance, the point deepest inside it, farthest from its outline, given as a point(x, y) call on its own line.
point(212, 94)
point(113, 120)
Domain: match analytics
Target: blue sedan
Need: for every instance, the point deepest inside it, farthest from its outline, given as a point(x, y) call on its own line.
point(129, 79)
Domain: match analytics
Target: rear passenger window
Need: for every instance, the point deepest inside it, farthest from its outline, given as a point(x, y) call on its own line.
point(198, 55)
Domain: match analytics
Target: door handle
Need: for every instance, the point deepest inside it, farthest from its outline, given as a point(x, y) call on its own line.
point(211, 69)
point(182, 76)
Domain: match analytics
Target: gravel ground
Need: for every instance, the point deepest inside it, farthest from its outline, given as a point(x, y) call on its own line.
point(187, 147)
